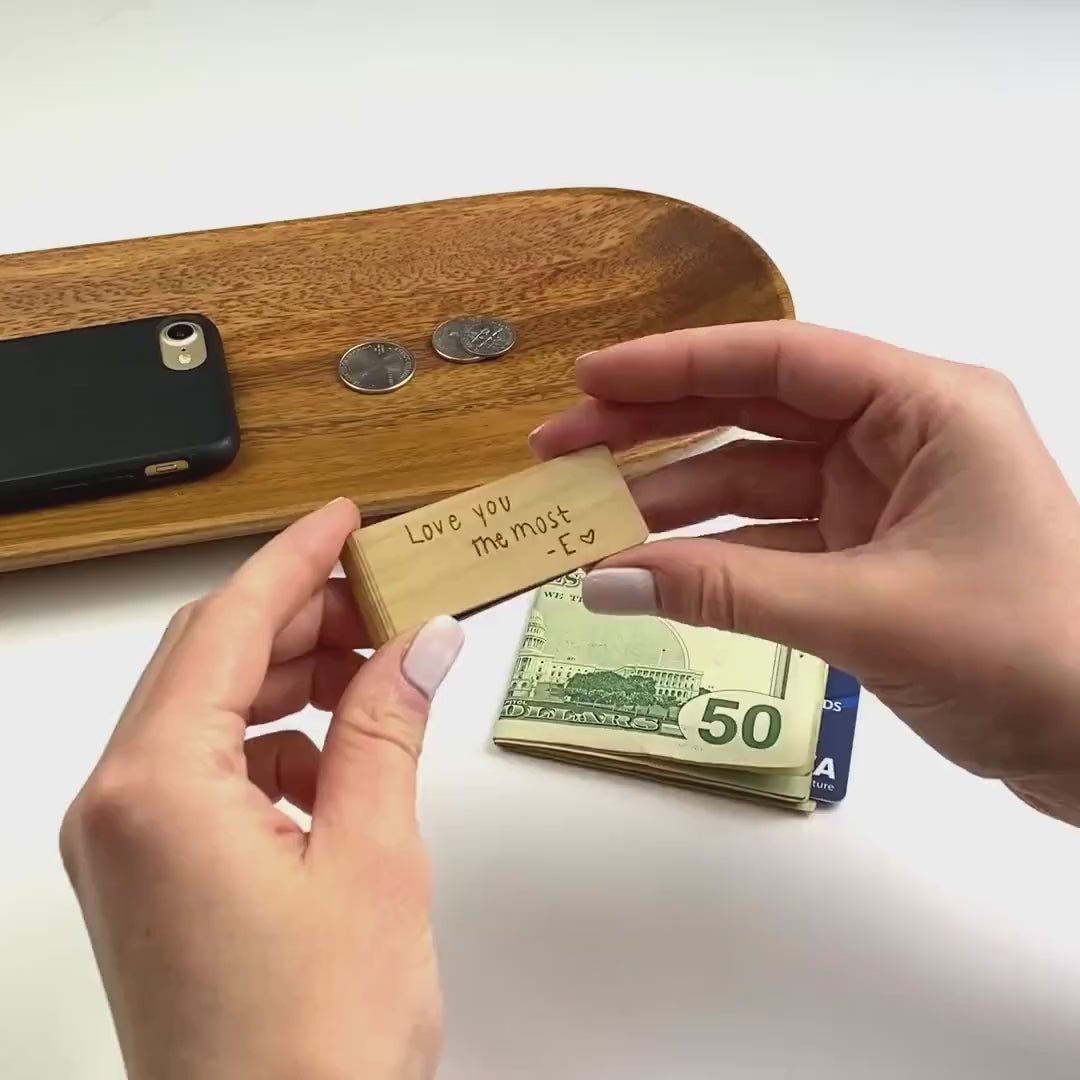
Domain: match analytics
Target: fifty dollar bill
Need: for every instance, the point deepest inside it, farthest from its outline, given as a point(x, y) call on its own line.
point(647, 696)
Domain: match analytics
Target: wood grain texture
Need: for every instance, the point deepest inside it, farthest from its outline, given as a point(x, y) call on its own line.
point(463, 553)
point(573, 270)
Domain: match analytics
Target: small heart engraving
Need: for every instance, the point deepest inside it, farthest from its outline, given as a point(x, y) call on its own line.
point(588, 537)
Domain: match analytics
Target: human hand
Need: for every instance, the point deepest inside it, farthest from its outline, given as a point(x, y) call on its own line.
point(918, 533)
point(232, 943)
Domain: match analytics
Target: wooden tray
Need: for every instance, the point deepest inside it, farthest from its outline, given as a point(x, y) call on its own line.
point(572, 269)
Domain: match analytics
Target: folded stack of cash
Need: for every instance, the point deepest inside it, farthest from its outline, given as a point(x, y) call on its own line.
point(648, 697)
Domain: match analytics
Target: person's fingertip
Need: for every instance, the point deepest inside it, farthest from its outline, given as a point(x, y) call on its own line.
point(339, 505)
point(536, 439)
point(431, 653)
point(584, 362)
point(620, 590)
point(549, 439)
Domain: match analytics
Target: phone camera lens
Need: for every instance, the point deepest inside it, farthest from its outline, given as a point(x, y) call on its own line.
point(180, 332)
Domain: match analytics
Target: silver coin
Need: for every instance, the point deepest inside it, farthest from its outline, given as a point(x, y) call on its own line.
point(446, 339)
point(376, 367)
point(492, 337)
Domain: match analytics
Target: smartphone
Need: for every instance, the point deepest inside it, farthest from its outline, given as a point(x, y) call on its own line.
point(118, 407)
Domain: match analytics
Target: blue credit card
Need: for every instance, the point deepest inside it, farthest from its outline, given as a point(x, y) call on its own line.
point(836, 739)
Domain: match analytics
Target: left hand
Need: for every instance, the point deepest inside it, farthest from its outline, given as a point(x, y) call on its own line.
point(232, 944)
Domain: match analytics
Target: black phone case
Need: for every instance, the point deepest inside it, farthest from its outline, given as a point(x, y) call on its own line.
point(85, 412)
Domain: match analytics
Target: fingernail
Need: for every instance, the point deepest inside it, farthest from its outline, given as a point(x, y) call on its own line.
point(620, 590)
point(537, 451)
point(583, 357)
point(432, 653)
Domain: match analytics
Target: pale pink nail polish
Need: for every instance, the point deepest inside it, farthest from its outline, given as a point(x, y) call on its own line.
point(432, 653)
point(344, 500)
point(620, 590)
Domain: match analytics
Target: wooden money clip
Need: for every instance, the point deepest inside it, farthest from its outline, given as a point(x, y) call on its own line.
point(466, 552)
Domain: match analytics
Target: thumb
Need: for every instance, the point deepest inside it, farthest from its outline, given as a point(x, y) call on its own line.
point(816, 602)
point(367, 783)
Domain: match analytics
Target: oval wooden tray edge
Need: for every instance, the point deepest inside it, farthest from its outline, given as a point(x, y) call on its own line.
point(45, 274)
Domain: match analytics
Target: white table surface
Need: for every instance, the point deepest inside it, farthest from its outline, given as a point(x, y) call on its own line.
point(912, 167)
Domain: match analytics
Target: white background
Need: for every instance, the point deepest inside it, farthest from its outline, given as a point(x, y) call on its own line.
point(912, 168)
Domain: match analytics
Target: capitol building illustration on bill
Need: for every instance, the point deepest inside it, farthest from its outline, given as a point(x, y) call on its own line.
point(563, 639)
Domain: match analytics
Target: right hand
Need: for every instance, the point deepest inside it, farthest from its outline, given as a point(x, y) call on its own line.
point(920, 536)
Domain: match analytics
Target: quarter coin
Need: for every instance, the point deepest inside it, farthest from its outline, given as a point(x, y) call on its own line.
point(376, 367)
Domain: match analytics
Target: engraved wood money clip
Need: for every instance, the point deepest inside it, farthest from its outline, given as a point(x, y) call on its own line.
point(473, 549)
